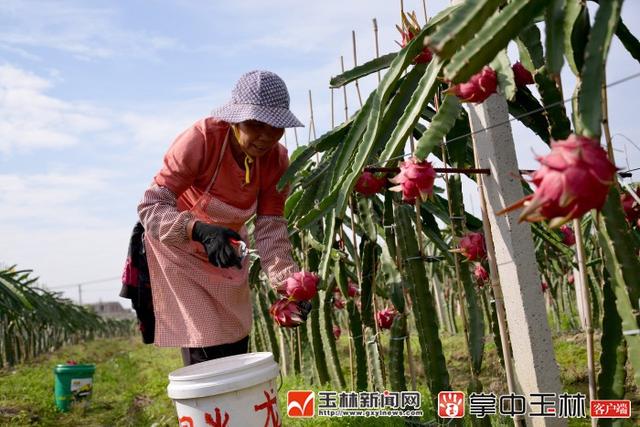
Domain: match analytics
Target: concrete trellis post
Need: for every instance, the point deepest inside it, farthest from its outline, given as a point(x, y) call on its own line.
point(535, 365)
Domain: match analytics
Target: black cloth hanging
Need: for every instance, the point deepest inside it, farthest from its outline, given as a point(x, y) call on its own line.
point(136, 284)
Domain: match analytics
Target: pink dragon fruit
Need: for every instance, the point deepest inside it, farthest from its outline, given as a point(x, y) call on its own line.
point(570, 279)
point(521, 75)
point(568, 236)
point(353, 290)
point(385, 317)
point(412, 28)
point(481, 275)
point(369, 184)
point(631, 207)
point(415, 180)
point(479, 87)
point(472, 247)
point(336, 331)
point(544, 286)
point(574, 178)
point(286, 313)
point(301, 286)
point(338, 303)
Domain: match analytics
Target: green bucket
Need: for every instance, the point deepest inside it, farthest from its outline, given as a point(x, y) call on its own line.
point(73, 383)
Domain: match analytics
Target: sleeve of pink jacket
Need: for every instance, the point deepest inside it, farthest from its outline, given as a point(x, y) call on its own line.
point(273, 245)
point(160, 217)
point(271, 232)
point(158, 209)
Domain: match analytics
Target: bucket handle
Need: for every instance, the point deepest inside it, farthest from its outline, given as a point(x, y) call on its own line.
point(281, 380)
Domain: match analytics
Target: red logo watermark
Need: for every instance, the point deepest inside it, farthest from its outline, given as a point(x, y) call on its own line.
point(300, 403)
point(451, 404)
point(610, 408)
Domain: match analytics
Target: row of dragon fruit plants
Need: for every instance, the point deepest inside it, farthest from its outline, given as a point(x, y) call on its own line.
point(34, 320)
point(387, 254)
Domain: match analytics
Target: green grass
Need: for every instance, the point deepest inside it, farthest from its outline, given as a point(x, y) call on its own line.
point(131, 379)
point(129, 387)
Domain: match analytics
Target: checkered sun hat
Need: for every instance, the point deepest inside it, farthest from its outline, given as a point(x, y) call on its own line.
point(262, 96)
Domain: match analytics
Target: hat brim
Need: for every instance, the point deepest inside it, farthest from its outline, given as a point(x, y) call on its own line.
point(274, 116)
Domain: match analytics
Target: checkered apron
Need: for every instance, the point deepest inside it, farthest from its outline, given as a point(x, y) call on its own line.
point(197, 304)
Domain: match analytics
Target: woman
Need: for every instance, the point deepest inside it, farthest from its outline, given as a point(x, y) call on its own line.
point(217, 174)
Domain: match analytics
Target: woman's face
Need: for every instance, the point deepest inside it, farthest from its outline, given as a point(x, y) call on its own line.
point(257, 138)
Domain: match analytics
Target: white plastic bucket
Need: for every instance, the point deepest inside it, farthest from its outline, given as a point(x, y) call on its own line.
point(227, 392)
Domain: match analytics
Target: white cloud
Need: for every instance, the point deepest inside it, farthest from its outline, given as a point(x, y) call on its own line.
point(157, 130)
point(32, 119)
point(29, 118)
point(53, 199)
point(87, 33)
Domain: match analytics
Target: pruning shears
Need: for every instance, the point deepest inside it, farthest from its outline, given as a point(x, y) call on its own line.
point(241, 248)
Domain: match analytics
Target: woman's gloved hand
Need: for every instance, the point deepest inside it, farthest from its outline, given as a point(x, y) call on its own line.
point(305, 308)
point(290, 314)
point(217, 244)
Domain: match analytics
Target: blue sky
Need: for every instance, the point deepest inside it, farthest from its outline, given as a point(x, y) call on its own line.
point(93, 92)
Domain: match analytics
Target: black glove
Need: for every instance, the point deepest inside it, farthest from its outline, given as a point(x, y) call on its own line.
point(305, 308)
point(217, 243)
